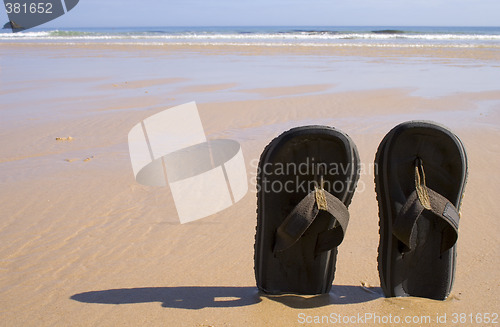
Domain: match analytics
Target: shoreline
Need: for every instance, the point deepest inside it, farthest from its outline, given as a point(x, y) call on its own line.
point(486, 53)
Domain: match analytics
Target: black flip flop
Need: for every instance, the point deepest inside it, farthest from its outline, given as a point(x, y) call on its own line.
point(421, 172)
point(306, 180)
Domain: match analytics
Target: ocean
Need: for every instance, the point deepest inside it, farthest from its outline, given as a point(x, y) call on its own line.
point(373, 36)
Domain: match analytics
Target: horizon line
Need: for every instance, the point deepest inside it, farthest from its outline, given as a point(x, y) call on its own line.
point(148, 26)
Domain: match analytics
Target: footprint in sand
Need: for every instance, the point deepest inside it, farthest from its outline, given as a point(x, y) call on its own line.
point(69, 138)
point(84, 160)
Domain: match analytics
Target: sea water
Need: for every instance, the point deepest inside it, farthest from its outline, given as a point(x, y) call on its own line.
point(374, 36)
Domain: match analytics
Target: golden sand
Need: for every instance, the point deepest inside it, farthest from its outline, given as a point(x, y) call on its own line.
point(84, 244)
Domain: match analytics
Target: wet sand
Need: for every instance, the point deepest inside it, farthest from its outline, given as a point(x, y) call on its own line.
point(81, 243)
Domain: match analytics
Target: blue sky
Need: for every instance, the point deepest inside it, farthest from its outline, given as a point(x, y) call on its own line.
point(125, 13)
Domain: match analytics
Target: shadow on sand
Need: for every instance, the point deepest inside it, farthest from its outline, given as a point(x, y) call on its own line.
point(339, 294)
point(198, 297)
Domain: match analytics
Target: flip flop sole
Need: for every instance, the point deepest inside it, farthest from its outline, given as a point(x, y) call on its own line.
point(424, 271)
point(289, 168)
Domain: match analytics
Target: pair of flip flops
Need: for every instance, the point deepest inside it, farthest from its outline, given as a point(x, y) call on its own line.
point(306, 179)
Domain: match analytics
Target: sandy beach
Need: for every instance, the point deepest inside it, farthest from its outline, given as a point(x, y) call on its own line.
point(83, 244)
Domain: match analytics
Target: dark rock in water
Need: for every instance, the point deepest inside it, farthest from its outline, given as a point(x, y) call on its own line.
point(388, 32)
point(12, 25)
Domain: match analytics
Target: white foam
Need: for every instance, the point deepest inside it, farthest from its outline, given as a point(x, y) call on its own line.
point(312, 39)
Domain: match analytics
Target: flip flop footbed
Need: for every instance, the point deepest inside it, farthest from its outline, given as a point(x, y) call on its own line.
point(425, 270)
point(290, 168)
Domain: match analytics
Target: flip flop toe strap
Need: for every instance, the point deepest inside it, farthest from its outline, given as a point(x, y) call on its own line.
point(303, 215)
point(405, 225)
